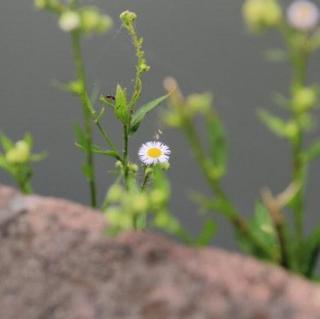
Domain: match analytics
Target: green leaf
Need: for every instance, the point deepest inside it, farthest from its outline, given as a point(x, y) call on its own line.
point(274, 123)
point(81, 139)
point(311, 250)
point(6, 143)
point(28, 139)
point(121, 105)
point(98, 150)
point(281, 100)
point(106, 101)
point(207, 233)
point(87, 171)
point(261, 226)
point(218, 144)
point(38, 157)
point(143, 111)
point(313, 151)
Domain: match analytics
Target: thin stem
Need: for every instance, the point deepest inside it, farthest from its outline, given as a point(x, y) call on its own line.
point(125, 155)
point(299, 60)
point(145, 179)
point(229, 211)
point(87, 116)
point(106, 137)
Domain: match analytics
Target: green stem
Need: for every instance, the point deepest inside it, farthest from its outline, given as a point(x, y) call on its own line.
point(238, 222)
point(125, 160)
point(299, 64)
point(106, 138)
point(145, 179)
point(87, 116)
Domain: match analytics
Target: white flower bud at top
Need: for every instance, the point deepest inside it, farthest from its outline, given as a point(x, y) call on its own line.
point(303, 15)
point(69, 21)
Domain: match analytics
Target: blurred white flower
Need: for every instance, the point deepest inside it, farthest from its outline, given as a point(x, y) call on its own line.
point(303, 15)
point(154, 153)
point(69, 21)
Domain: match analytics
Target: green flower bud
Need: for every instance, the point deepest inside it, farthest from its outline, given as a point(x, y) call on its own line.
point(139, 203)
point(291, 130)
point(118, 165)
point(144, 67)
point(105, 24)
point(116, 218)
point(128, 18)
point(69, 21)
point(165, 166)
point(115, 193)
point(40, 4)
point(75, 87)
point(199, 103)
point(172, 119)
point(261, 14)
point(149, 170)
point(19, 154)
point(158, 197)
point(133, 168)
point(304, 99)
point(90, 19)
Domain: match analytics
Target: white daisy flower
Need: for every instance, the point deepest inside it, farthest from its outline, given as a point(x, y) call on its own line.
point(154, 153)
point(303, 15)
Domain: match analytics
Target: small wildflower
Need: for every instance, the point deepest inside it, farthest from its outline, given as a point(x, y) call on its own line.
point(154, 153)
point(303, 15)
point(69, 21)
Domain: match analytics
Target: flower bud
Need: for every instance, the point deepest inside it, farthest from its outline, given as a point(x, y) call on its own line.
point(19, 154)
point(115, 193)
point(133, 168)
point(199, 103)
point(105, 24)
point(139, 203)
point(261, 14)
point(118, 165)
point(90, 19)
point(158, 197)
point(69, 21)
point(291, 130)
point(172, 119)
point(40, 4)
point(165, 166)
point(304, 99)
point(128, 18)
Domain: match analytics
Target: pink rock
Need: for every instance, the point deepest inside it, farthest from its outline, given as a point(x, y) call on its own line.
point(56, 262)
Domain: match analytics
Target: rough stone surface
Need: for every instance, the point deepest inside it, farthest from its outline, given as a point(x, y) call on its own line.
point(56, 263)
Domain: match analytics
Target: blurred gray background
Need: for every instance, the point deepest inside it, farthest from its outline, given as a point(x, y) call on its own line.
point(203, 43)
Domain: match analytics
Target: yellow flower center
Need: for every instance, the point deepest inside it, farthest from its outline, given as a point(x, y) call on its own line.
point(154, 152)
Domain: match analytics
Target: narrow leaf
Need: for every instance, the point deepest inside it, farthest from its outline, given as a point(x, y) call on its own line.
point(98, 150)
point(143, 111)
point(218, 144)
point(313, 152)
point(207, 233)
point(6, 143)
point(121, 105)
point(274, 123)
